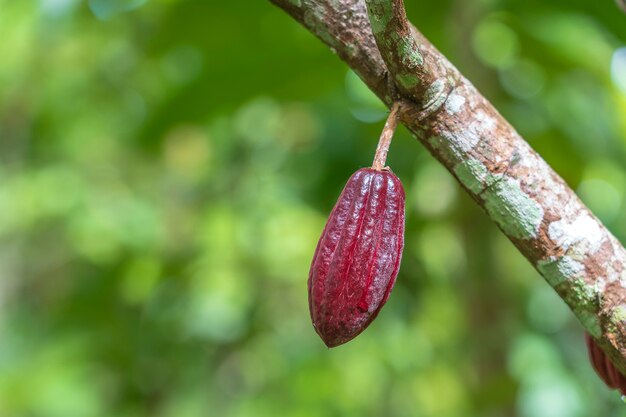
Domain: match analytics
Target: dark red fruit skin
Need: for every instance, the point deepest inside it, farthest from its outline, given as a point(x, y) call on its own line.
point(604, 367)
point(358, 256)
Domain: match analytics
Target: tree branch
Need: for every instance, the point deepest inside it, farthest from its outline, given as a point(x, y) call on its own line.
point(528, 201)
point(415, 65)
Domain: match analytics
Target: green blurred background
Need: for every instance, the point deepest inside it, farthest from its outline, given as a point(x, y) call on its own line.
point(166, 168)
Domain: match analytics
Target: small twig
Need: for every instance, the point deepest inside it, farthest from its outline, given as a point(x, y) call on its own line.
point(385, 137)
point(411, 65)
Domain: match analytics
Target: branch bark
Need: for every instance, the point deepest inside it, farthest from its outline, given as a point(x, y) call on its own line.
point(528, 201)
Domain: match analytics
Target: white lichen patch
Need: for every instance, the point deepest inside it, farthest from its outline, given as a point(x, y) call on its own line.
point(454, 103)
point(473, 174)
point(481, 126)
point(457, 140)
point(517, 213)
point(454, 145)
point(466, 140)
point(484, 122)
point(440, 144)
point(612, 274)
point(557, 270)
point(583, 235)
point(551, 191)
point(434, 95)
point(567, 276)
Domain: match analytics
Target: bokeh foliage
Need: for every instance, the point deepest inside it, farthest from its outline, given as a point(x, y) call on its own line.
point(166, 168)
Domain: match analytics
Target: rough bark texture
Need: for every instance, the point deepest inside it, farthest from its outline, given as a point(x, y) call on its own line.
point(528, 201)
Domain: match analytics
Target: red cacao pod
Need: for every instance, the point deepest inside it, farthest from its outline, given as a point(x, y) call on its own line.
point(604, 367)
point(358, 256)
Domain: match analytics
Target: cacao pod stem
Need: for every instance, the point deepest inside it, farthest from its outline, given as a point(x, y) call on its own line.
point(385, 137)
